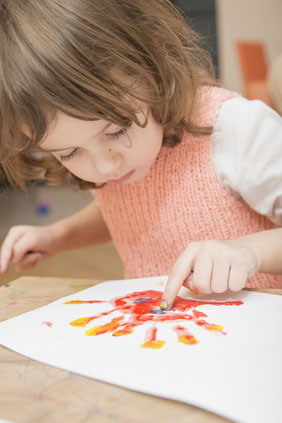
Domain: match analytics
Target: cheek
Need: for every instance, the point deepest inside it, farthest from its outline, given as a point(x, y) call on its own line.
point(150, 142)
point(81, 169)
point(155, 140)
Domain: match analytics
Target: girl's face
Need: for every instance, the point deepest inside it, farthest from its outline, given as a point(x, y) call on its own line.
point(99, 152)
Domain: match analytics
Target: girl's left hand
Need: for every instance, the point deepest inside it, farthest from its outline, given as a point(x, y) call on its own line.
point(211, 266)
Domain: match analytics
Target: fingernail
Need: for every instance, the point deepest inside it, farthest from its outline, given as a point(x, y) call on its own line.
point(163, 305)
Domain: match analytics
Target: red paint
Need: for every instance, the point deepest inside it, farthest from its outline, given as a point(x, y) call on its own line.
point(108, 327)
point(143, 307)
point(151, 340)
point(184, 335)
point(83, 302)
point(49, 324)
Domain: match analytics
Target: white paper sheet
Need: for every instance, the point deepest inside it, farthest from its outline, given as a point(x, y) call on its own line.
point(234, 371)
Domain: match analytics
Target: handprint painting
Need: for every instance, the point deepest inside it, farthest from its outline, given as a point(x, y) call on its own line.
point(142, 307)
point(221, 352)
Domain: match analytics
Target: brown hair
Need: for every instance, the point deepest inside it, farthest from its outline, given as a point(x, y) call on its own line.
point(58, 55)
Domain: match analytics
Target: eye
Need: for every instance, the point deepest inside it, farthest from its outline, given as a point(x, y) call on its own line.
point(69, 156)
point(118, 134)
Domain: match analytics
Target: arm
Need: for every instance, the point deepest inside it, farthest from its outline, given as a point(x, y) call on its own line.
point(215, 266)
point(81, 229)
point(247, 155)
point(25, 245)
point(267, 246)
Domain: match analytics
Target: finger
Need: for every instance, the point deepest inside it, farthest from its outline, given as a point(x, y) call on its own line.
point(238, 277)
point(7, 250)
point(188, 283)
point(179, 273)
point(29, 261)
point(220, 277)
point(23, 247)
point(202, 277)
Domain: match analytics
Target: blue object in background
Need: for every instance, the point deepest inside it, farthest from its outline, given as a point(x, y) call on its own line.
point(44, 208)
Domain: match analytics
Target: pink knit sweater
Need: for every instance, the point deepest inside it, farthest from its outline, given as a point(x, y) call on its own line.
point(179, 201)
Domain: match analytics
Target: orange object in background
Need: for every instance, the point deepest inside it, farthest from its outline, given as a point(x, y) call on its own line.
point(254, 70)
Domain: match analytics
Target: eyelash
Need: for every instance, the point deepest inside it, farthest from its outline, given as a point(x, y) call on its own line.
point(115, 135)
point(118, 134)
point(69, 156)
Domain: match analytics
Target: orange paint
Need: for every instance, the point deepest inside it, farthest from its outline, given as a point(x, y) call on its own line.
point(215, 328)
point(83, 302)
point(122, 332)
point(144, 306)
point(108, 327)
point(83, 321)
point(151, 340)
point(153, 344)
point(185, 336)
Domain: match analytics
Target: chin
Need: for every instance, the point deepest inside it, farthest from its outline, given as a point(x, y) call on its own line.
point(139, 175)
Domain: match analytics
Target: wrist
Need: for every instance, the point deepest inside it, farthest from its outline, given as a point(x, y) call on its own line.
point(59, 234)
point(255, 252)
point(250, 252)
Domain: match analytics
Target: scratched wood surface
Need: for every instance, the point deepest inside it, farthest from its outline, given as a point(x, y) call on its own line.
point(32, 392)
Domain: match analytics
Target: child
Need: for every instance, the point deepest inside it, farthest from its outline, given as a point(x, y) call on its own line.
point(118, 97)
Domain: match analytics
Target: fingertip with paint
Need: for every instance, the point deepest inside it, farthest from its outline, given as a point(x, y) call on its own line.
point(164, 305)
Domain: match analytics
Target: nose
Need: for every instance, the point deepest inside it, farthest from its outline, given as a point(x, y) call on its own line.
point(108, 165)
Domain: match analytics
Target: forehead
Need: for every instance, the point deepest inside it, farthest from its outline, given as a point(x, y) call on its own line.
point(69, 129)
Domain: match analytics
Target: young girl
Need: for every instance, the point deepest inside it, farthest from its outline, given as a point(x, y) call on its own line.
point(117, 97)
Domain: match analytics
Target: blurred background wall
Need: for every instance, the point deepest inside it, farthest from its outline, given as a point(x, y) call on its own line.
point(252, 20)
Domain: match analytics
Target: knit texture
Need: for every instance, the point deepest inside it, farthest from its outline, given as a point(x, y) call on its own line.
point(179, 201)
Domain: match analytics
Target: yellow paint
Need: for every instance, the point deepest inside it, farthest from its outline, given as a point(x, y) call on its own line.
point(108, 327)
point(192, 293)
point(122, 332)
point(215, 327)
point(153, 344)
point(74, 302)
point(188, 339)
point(83, 321)
point(160, 283)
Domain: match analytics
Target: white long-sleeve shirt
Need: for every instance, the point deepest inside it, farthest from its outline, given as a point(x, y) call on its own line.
point(247, 155)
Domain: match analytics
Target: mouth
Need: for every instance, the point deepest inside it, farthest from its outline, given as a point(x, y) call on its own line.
point(123, 178)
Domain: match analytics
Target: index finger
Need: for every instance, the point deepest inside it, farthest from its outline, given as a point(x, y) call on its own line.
point(7, 251)
point(179, 273)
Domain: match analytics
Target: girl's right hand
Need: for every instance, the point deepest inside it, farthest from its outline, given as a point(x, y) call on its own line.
point(25, 245)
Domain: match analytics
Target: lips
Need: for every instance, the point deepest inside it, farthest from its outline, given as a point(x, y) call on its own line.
point(123, 178)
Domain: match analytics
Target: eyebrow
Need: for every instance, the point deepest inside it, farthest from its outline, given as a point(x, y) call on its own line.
point(54, 150)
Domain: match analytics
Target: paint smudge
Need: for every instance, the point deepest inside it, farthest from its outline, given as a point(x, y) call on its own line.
point(143, 307)
point(49, 324)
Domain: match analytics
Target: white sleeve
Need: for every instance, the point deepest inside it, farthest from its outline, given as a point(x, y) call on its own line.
point(247, 155)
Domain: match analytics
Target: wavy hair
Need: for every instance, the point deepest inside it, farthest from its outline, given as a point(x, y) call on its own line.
point(60, 55)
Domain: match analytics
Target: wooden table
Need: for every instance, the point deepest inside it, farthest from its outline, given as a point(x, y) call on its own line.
point(32, 392)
